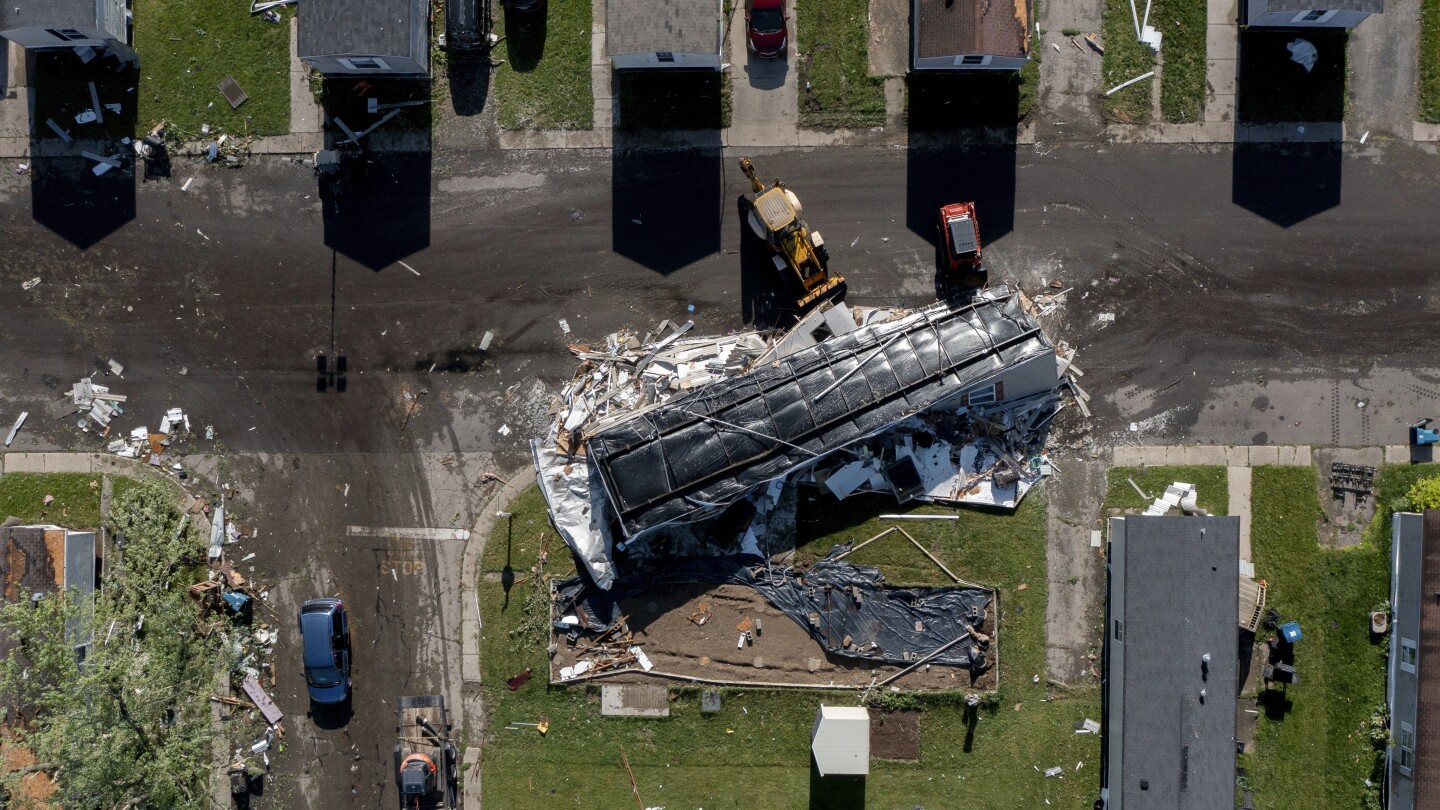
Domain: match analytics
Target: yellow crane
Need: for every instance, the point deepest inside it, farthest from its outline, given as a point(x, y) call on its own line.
point(777, 217)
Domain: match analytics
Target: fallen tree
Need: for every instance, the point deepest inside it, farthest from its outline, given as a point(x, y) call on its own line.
point(105, 690)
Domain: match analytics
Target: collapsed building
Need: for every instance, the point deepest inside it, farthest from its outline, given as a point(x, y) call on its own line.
point(678, 435)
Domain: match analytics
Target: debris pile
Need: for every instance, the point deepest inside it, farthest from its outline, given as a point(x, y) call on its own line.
point(1178, 495)
point(226, 604)
point(947, 404)
point(141, 443)
point(846, 608)
point(96, 402)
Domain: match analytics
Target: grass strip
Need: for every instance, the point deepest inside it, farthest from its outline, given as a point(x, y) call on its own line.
point(1313, 746)
point(1429, 106)
point(835, 85)
point(1182, 79)
point(1212, 486)
point(544, 82)
point(1125, 58)
point(758, 745)
point(187, 47)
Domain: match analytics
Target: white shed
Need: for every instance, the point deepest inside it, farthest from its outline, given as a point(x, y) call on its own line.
point(840, 740)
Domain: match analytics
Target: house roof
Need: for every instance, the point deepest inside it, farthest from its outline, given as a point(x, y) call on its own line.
point(359, 27)
point(48, 14)
point(956, 27)
point(713, 446)
point(1179, 587)
point(1297, 6)
point(679, 26)
point(44, 559)
point(1427, 719)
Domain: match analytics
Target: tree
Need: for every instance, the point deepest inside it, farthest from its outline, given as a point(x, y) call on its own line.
point(128, 725)
point(1425, 494)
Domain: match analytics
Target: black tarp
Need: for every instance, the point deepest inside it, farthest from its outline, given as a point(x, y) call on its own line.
point(883, 617)
point(709, 448)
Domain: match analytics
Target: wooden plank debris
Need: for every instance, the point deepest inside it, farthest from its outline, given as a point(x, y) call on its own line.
point(263, 702)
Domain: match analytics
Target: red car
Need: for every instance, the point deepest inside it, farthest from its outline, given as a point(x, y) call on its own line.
point(960, 232)
point(765, 27)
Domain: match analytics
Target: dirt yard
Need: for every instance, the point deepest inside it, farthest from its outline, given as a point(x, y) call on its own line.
point(781, 654)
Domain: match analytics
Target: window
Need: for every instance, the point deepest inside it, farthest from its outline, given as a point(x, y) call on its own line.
point(364, 63)
point(1119, 630)
point(67, 34)
point(985, 396)
point(1409, 655)
point(972, 60)
point(664, 56)
point(1407, 747)
point(1316, 16)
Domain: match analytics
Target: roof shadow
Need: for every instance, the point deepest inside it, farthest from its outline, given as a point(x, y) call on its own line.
point(939, 173)
point(66, 194)
point(376, 193)
point(961, 148)
point(525, 37)
point(666, 205)
point(1286, 183)
point(1286, 164)
point(835, 792)
point(469, 76)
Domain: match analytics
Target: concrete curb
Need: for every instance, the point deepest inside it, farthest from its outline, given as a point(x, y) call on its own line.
point(472, 707)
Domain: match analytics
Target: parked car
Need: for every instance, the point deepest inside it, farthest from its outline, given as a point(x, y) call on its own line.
point(765, 24)
point(325, 637)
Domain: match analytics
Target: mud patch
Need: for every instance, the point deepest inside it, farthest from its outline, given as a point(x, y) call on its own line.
point(895, 736)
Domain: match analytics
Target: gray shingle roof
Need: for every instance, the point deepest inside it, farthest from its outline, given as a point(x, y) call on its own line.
point(1181, 585)
point(375, 27)
point(680, 26)
point(47, 14)
point(1297, 6)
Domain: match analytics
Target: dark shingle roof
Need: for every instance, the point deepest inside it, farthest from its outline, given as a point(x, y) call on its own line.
point(339, 27)
point(47, 14)
point(681, 26)
point(1297, 6)
point(1181, 588)
point(1427, 714)
point(954, 27)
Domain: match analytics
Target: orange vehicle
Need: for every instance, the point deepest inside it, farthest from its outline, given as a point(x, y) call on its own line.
point(960, 237)
point(425, 756)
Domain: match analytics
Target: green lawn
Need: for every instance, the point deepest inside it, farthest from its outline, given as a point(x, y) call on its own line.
point(1212, 486)
point(76, 504)
point(1125, 58)
point(187, 47)
point(1182, 81)
point(545, 81)
point(756, 751)
point(1312, 749)
point(834, 58)
point(1429, 108)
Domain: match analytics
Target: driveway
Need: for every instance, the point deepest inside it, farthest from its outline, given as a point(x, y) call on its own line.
point(764, 106)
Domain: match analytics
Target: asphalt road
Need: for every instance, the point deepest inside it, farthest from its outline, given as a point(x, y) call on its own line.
point(1258, 297)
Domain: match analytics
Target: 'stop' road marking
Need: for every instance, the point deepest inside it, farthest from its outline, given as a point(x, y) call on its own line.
point(409, 533)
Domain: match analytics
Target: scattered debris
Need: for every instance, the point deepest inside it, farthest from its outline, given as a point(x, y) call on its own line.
point(16, 428)
point(1303, 53)
point(230, 89)
point(1117, 88)
point(960, 424)
point(1178, 495)
point(31, 284)
point(267, 707)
